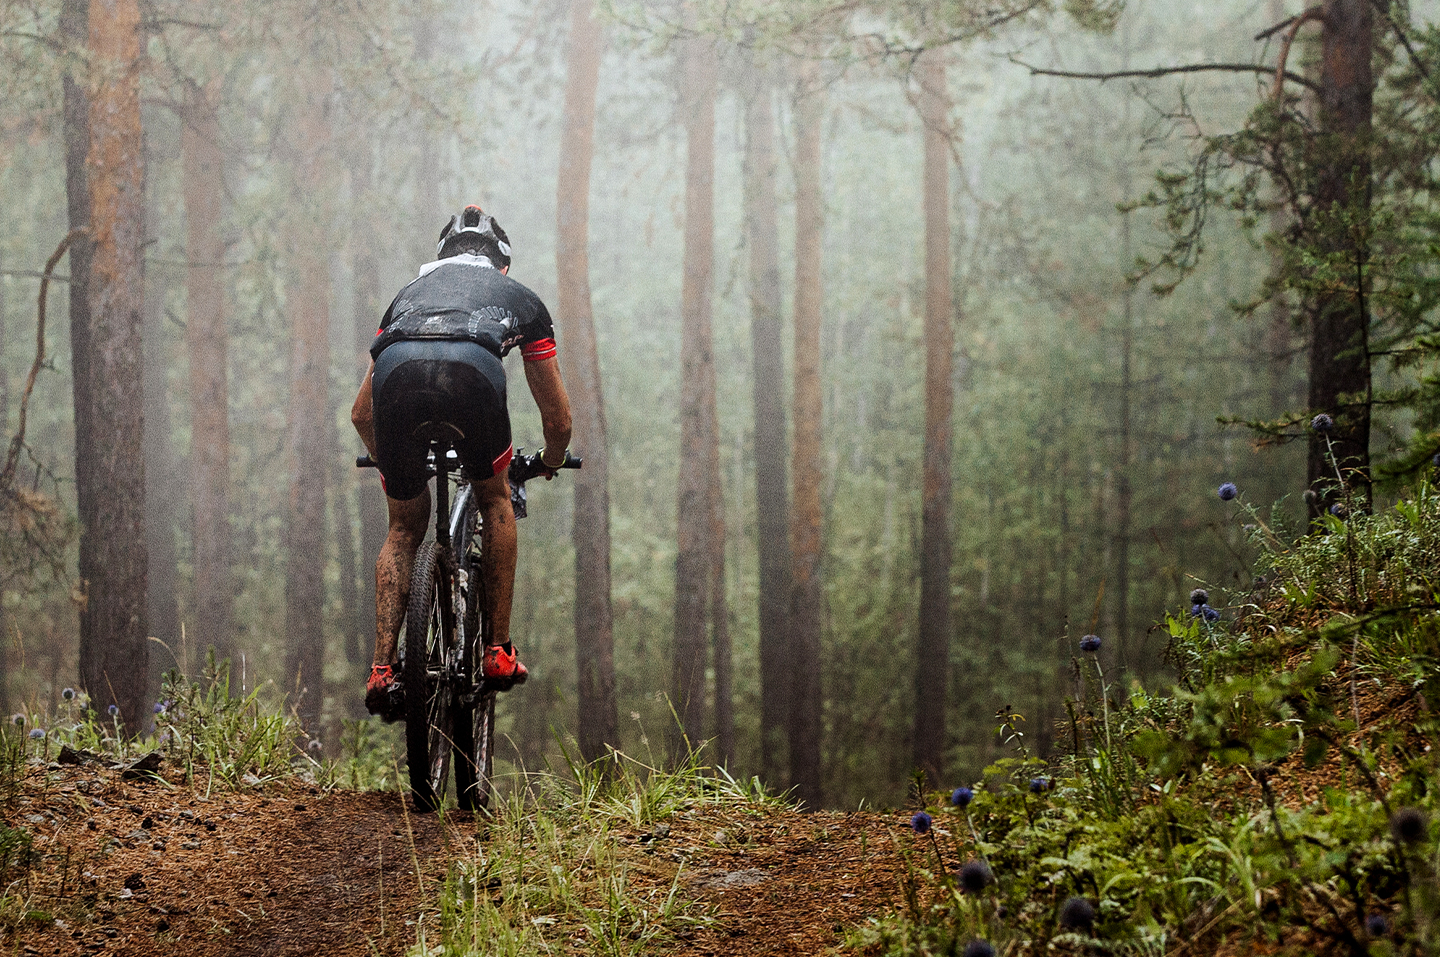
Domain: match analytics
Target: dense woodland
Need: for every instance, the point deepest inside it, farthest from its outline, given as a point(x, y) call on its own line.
point(908, 343)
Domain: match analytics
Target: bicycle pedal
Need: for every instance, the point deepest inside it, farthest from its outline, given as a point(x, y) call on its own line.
point(394, 704)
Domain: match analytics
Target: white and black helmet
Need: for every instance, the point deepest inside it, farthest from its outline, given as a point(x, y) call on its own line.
point(474, 222)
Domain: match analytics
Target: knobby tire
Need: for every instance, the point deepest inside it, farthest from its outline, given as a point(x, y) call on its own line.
point(429, 698)
point(475, 725)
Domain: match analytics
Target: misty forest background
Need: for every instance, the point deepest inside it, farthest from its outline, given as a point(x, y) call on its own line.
point(299, 160)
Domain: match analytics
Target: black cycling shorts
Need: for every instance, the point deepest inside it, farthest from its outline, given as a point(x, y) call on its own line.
point(423, 381)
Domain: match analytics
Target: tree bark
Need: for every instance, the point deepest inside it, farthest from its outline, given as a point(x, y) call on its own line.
point(308, 437)
point(1340, 383)
point(164, 495)
point(598, 722)
point(806, 605)
point(699, 450)
point(207, 340)
point(932, 659)
point(767, 343)
point(5, 419)
point(109, 443)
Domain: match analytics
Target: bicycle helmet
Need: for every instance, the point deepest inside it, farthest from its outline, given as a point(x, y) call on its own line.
point(482, 229)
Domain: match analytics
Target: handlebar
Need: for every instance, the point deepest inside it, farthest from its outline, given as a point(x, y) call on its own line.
point(522, 469)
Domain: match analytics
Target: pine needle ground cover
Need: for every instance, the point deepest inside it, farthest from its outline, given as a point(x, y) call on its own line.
point(1280, 799)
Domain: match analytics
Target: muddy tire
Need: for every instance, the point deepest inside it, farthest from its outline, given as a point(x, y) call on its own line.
point(429, 698)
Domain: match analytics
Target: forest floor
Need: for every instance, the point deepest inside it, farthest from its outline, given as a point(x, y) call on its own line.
point(151, 865)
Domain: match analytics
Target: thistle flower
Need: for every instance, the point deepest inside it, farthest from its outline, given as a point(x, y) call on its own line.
point(1210, 613)
point(1337, 510)
point(1322, 423)
point(1038, 785)
point(37, 734)
point(1077, 913)
point(975, 876)
point(920, 822)
point(1311, 496)
point(1376, 925)
point(1435, 460)
point(159, 707)
point(1090, 643)
point(68, 694)
point(18, 720)
point(962, 796)
point(314, 746)
point(978, 948)
point(113, 710)
point(1408, 825)
point(1227, 491)
point(1198, 610)
point(1199, 597)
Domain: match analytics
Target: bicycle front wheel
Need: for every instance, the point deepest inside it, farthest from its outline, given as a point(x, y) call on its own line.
point(429, 704)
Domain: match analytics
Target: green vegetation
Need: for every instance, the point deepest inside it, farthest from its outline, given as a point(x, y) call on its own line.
point(550, 869)
point(1282, 792)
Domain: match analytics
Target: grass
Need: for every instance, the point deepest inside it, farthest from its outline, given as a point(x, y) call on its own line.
point(1252, 806)
point(554, 873)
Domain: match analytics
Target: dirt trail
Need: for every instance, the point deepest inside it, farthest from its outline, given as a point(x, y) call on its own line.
point(147, 867)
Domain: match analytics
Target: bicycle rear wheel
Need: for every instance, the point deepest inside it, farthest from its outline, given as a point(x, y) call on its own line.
point(429, 704)
point(475, 724)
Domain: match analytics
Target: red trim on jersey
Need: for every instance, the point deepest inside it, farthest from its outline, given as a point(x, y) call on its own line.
point(502, 461)
point(537, 350)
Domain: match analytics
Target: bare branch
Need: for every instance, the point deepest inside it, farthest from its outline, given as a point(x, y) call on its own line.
point(1314, 13)
point(17, 442)
point(1163, 71)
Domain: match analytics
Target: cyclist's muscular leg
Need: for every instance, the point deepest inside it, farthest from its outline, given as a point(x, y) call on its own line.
point(498, 568)
point(498, 553)
point(408, 524)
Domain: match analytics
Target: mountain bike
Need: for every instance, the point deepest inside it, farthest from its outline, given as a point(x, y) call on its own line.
point(449, 708)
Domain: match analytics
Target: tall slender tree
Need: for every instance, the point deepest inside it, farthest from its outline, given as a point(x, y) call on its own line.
point(308, 430)
point(762, 237)
point(598, 722)
point(932, 660)
point(207, 341)
point(109, 371)
point(699, 448)
point(807, 600)
point(1337, 313)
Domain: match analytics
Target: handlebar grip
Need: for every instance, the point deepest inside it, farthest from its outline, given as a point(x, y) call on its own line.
point(365, 462)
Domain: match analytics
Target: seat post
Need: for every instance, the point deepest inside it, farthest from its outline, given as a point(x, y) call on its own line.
point(442, 495)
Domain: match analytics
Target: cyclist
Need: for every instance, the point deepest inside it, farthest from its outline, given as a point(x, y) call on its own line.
point(436, 360)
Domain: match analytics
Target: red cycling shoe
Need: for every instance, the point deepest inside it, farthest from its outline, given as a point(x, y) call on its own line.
point(383, 694)
point(502, 666)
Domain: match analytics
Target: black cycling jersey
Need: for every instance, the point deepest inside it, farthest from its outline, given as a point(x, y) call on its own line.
point(465, 298)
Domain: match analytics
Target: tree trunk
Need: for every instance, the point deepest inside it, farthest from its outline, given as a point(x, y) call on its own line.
point(5, 420)
point(767, 342)
point(207, 339)
point(308, 437)
point(806, 606)
point(1339, 322)
point(109, 433)
point(699, 450)
point(164, 494)
point(594, 619)
point(369, 305)
point(932, 659)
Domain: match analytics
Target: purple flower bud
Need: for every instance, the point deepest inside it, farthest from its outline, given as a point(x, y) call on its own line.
point(1227, 491)
point(961, 797)
point(1090, 643)
point(920, 822)
point(1322, 423)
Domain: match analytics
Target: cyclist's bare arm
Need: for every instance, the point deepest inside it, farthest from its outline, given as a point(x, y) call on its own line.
point(543, 377)
point(362, 413)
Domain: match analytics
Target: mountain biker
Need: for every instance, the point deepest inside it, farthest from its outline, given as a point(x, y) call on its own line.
point(436, 359)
